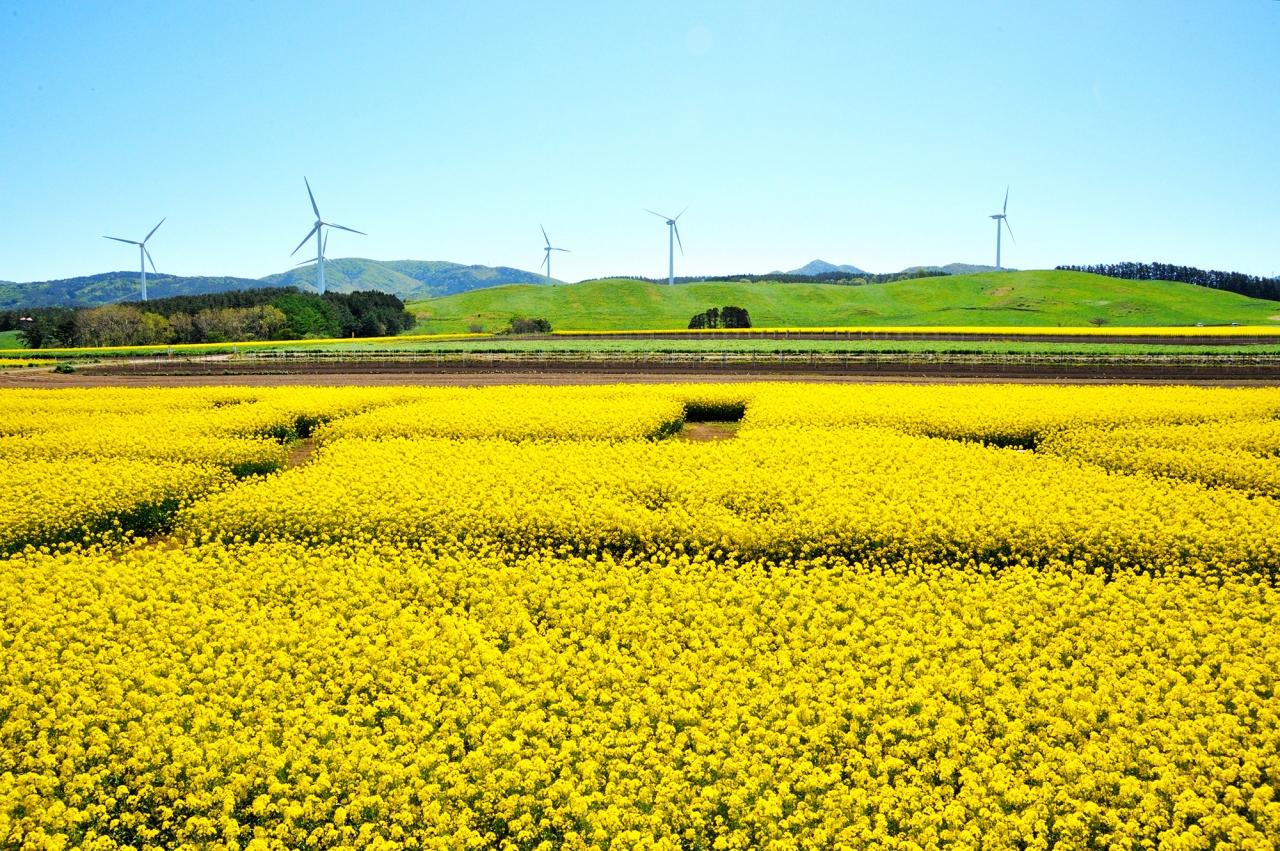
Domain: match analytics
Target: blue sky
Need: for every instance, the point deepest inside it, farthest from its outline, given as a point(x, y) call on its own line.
point(875, 133)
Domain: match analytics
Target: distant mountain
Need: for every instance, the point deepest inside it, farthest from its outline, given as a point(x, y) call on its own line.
point(108, 287)
point(822, 267)
point(346, 275)
point(449, 278)
point(409, 279)
point(960, 269)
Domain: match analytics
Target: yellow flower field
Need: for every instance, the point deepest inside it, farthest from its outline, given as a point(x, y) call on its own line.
point(877, 616)
point(44, 501)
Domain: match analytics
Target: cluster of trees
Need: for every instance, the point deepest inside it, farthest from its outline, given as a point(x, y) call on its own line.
point(723, 317)
point(10, 320)
point(527, 325)
point(261, 314)
point(1235, 282)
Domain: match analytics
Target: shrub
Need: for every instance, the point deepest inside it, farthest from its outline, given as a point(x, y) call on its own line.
point(527, 325)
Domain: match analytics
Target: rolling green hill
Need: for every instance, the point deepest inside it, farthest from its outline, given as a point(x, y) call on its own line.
point(1004, 298)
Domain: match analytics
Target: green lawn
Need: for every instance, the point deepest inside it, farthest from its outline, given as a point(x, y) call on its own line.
point(9, 340)
point(1037, 298)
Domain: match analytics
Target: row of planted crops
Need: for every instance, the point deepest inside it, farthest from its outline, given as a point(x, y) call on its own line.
point(521, 617)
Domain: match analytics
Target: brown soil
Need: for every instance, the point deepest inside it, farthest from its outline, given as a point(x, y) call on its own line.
point(301, 453)
point(46, 379)
point(706, 432)
point(999, 291)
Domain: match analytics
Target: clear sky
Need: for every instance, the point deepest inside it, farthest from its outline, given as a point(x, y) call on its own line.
point(880, 134)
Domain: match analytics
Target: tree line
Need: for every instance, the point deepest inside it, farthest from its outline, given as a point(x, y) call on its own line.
point(271, 313)
point(1234, 282)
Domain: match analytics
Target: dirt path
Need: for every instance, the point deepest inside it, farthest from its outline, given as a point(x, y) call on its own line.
point(707, 432)
point(301, 453)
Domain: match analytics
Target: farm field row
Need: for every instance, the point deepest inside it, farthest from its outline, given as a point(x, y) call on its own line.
point(521, 617)
point(623, 344)
point(626, 344)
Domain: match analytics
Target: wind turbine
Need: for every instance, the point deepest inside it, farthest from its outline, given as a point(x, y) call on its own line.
point(673, 237)
point(144, 256)
point(546, 261)
point(321, 241)
point(1001, 217)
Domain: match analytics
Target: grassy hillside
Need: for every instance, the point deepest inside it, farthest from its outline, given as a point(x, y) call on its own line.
point(1034, 298)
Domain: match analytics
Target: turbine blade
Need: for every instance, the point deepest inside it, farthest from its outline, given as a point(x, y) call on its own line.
point(153, 230)
point(676, 228)
point(149, 260)
point(311, 196)
point(545, 238)
point(546, 258)
point(1005, 208)
point(682, 212)
point(118, 239)
point(310, 234)
point(1006, 225)
point(340, 227)
point(324, 246)
point(303, 263)
point(659, 215)
point(560, 249)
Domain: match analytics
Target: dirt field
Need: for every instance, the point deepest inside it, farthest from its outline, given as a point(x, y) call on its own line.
point(936, 336)
point(48, 379)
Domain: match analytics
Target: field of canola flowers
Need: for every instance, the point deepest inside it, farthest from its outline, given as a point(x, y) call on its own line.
point(534, 618)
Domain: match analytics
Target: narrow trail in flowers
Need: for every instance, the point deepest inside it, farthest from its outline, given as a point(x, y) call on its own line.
point(301, 453)
point(706, 432)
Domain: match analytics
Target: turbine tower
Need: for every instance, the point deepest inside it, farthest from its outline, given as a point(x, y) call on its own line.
point(1001, 217)
point(673, 237)
point(144, 256)
point(321, 240)
point(546, 261)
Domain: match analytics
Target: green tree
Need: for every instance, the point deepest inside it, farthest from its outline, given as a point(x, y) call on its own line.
point(308, 315)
